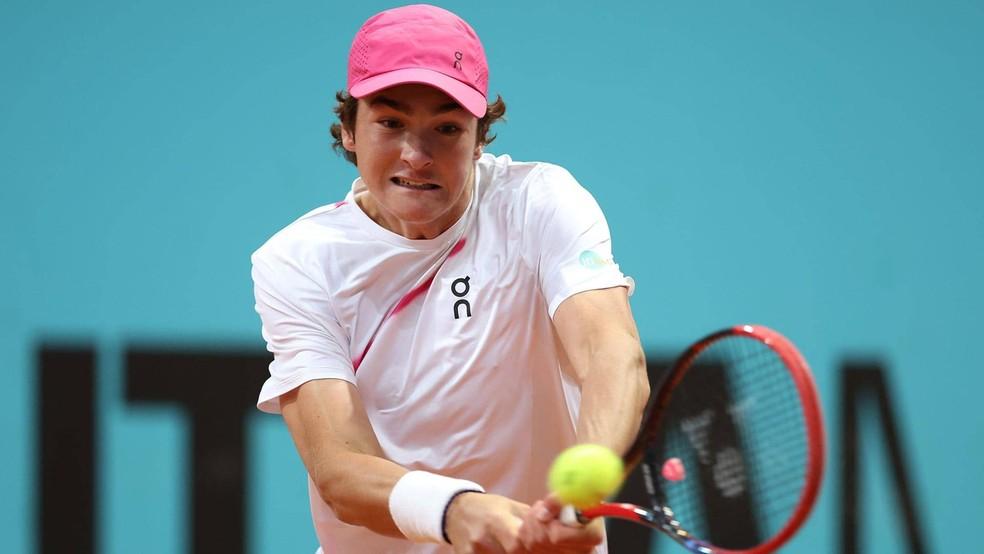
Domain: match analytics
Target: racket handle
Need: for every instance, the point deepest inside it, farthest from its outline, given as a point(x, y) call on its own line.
point(570, 517)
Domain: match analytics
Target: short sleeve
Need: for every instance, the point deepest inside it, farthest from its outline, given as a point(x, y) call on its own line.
point(299, 327)
point(566, 238)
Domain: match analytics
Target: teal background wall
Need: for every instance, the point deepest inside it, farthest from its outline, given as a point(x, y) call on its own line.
point(815, 166)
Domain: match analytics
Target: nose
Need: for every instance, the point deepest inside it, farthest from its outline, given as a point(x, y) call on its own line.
point(416, 153)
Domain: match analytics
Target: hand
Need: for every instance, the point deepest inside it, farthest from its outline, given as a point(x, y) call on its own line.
point(485, 523)
point(542, 531)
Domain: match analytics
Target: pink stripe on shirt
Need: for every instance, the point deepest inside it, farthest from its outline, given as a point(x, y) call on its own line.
point(405, 301)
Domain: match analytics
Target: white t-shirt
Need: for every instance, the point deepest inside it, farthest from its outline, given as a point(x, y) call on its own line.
point(449, 340)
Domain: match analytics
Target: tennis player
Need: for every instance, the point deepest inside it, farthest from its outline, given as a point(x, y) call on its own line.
point(441, 334)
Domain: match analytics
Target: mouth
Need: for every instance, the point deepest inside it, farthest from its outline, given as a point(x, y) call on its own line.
point(413, 184)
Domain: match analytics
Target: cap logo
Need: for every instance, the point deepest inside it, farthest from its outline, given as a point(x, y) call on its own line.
point(457, 60)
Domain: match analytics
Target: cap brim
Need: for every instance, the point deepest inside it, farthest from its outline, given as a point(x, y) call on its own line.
point(469, 98)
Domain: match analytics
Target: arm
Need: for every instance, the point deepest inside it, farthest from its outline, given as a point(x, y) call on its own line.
point(333, 435)
point(339, 448)
point(599, 339)
point(599, 344)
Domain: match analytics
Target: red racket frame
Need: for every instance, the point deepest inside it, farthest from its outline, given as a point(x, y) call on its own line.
point(813, 422)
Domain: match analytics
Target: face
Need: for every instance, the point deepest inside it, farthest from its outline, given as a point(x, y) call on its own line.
point(416, 150)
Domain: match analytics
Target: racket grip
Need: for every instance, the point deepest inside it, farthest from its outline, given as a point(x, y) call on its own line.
point(570, 517)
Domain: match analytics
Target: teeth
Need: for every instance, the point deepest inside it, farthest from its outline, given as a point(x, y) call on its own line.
point(405, 182)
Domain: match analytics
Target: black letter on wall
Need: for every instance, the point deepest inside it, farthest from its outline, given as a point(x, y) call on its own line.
point(861, 385)
point(66, 414)
point(218, 390)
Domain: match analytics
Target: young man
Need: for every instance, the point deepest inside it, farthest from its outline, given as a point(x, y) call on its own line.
point(445, 331)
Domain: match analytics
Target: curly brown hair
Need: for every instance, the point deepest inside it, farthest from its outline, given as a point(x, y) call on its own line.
point(348, 107)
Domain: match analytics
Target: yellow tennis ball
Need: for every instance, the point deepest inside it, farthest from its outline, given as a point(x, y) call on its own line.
point(585, 474)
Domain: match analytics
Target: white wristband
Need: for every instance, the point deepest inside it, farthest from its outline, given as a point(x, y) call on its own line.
point(419, 500)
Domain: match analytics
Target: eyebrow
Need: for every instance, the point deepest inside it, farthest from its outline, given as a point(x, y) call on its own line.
point(403, 108)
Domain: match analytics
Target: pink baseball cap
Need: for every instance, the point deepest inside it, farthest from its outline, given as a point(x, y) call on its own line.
point(420, 44)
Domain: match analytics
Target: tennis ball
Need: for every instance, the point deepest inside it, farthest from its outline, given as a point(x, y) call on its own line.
point(585, 474)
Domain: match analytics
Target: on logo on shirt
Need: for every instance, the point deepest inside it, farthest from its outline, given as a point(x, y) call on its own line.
point(460, 288)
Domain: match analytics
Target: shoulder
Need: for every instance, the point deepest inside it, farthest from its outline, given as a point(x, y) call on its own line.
point(305, 241)
point(508, 179)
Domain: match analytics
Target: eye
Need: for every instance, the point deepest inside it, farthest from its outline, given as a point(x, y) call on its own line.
point(390, 123)
point(448, 129)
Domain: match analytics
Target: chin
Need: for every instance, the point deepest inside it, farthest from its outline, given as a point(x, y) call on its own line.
point(415, 213)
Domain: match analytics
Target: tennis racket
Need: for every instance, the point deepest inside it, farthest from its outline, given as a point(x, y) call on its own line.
point(731, 449)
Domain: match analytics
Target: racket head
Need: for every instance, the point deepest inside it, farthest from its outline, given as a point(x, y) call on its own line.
point(741, 410)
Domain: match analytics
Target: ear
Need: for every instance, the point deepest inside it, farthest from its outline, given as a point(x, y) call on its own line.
point(478, 151)
point(348, 139)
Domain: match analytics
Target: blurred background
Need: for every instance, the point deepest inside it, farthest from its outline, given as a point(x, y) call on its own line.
point(813, 166)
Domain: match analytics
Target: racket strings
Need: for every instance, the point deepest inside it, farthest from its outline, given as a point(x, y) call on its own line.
point(773, 438)
point(736, 423)
point(778, 443)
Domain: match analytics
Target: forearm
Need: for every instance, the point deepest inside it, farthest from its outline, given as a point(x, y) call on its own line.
point(357, 487)
point(341, 453)
point(614, 391)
